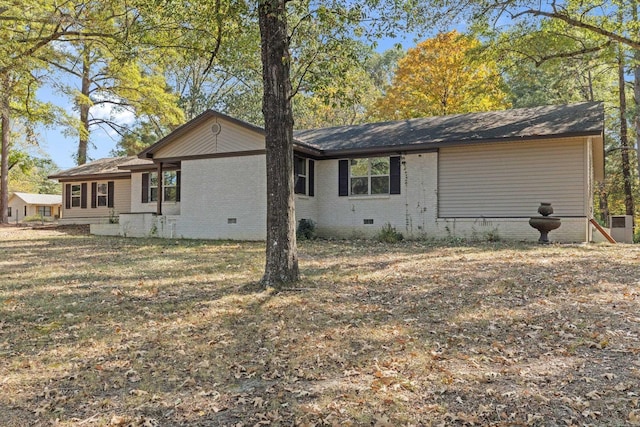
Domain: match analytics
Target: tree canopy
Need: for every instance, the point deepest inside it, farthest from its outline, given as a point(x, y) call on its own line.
point(443, 75)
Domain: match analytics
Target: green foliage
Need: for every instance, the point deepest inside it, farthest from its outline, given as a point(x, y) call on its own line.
point(306, 230)
point(389, 234)
point(113, 217)
point(30, 175)
point(37, 218)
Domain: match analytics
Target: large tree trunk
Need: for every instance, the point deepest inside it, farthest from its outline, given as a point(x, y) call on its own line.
point(4, 167)
point(84, 106)
point(636, 92)
point(636, 88)
point(624, 139)
point(281, 267)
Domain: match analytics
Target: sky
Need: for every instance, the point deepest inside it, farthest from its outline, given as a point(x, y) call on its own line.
point(61, 148)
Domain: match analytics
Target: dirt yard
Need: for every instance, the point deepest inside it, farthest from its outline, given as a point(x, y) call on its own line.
point(135, 332)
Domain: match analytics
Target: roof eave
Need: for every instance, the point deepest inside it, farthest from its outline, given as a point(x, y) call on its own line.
point(435, 145)
point(87, 177)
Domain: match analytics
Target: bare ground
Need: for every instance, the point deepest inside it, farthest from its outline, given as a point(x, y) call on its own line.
point(117, 332)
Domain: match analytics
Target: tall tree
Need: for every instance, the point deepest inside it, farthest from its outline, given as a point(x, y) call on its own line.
point(443, 76)
point(624, 138)
point(111, 73)
point(281, 266)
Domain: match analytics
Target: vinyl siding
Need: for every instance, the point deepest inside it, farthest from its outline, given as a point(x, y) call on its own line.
point(121, 202)
point(201, 141)
point(510, 180)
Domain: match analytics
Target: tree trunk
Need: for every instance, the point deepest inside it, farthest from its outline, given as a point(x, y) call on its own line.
point(281, 267)
point(636, 89)
point(624, 139)
point(84, 106)
point(4, 167)
point(636, 92)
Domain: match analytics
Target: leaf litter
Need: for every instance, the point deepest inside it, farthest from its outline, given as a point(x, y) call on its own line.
point(146, 332)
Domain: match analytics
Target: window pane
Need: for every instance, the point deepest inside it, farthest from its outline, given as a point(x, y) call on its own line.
point(75, 202)
point(359, 185)
point(380, 166)
point(299, 166)
point(75, 190)
point(153, 194)
point(379, 185)
point(170, 194)
point(102, 189)
point(170, 179)
point(359, 167)
point(300, 185)
point(153, 179)
point(102, 200)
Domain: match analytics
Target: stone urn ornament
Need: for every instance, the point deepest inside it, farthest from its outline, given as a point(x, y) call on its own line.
point(544, 224)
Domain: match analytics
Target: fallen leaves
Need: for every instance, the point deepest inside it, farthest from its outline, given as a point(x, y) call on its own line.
point(142, 333)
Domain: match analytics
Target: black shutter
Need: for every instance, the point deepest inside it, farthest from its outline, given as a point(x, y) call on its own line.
point(394, 176)
point(311, 174)
point(94, 195)
point(110, 193)
point(177, 186)
point(145, 188)
point(83, 195)
point(343, 178)
point(67, 196)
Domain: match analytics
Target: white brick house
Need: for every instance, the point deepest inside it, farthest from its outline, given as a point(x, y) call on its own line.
point(461, 175)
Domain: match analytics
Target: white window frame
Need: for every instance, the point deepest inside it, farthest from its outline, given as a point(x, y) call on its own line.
point(369, 176)
point(304, 175)
point(76, 195)
point(102, 196)
point(170, 182)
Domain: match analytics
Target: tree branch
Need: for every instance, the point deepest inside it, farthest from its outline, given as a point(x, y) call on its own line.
point(580, 24)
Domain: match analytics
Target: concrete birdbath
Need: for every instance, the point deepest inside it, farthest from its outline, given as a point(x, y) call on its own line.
point(544, 224)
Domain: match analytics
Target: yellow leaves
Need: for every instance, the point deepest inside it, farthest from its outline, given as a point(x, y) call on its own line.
point(442, 75)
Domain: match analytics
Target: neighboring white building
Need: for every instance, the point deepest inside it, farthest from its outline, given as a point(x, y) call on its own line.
point(23, 205)
point(463, 175)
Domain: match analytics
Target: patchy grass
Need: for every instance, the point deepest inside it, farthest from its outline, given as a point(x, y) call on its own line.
point(112, 331)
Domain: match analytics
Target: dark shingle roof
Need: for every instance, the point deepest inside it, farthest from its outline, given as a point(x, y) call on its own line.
point(104, 167)
point(585, 118)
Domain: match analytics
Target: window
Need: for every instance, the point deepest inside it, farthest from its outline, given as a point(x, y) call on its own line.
point(376, 175)
point(170, 186)
point(153, 187)
point(9, 211)
point(102, 194)
point(369, 176)
point(303, 171)
point(300, 175)
point(76, 195)
point(44, 210)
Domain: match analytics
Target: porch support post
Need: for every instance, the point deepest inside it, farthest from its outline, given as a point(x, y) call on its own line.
point(160, 191)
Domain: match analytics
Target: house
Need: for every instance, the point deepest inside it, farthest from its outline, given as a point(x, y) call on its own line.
point(23, 205)
point(464, 175)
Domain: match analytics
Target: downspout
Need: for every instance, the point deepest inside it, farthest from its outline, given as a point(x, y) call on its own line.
point(159, 198)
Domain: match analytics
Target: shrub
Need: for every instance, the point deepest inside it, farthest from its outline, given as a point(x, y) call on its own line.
point(37, 218)
point(306, 229)
point(388, 234)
